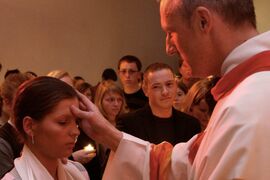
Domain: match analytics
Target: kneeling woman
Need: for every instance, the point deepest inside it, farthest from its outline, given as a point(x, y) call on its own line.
point(49, 130)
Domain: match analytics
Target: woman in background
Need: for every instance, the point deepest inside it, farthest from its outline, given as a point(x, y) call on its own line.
point(86, 89)
point(110, 100)
point(180, 94)
point(199, 101)
point(49, 130)
point(62, 75)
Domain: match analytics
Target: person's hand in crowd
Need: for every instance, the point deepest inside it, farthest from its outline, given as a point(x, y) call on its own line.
point(83, 156)
point(95, 125)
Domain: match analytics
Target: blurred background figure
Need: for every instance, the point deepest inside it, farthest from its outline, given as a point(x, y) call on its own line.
point(62, 75)
point(1, 101)
point(186, 74)
point(3, 117)
point(10, 142)
point(12, 71)
point(8, 89)
point(77, 80)
point(31, 74)
point(111, 103)
point(86, 89)
point(181, 92)
point(107, 74)
point(199, 101)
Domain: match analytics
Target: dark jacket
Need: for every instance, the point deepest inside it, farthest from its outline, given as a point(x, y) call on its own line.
point(10, 147)
point(143, 124)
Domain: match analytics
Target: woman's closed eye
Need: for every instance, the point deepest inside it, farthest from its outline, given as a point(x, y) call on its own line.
point(62, 122)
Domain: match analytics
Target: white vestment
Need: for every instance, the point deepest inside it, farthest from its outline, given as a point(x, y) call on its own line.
point(236, 144)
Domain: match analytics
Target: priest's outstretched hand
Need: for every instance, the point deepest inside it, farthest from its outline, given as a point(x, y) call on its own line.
point(95, 125)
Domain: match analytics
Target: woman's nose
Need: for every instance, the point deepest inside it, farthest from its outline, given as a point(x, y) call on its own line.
point(116, 102)
point(75, 130)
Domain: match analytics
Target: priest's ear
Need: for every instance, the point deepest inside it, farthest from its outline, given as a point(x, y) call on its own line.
point(202, 19)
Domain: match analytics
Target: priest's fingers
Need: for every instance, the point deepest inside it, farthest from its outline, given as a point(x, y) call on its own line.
point(85, 103)
point(80, 113)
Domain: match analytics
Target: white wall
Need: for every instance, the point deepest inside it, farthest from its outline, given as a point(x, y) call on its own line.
point(263, 14)
point(80, 36)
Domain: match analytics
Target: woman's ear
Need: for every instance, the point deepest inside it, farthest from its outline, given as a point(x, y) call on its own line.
point(29, 126)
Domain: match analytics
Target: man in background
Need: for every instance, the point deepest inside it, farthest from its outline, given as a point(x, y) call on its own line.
point(129, 72)
point(158, 121)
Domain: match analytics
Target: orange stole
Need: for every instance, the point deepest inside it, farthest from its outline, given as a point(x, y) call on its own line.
point(193, 149)
point(160, 158)
point(257, 63)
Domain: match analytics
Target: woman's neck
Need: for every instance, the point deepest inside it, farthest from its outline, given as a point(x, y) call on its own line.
point(50, 164)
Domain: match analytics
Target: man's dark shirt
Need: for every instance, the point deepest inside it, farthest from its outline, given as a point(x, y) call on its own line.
point(141, 123)
point(136, 100)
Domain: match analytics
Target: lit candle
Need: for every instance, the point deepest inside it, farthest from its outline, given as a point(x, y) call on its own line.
point(89, 148)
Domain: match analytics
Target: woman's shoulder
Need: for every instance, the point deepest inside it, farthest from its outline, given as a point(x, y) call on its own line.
point(12, 175)
point(80, 167)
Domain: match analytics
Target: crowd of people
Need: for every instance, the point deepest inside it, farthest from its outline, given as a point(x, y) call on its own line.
point(144, 105)
point(154, 124)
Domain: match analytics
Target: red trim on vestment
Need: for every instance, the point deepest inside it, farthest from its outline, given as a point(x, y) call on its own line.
point(259, 62)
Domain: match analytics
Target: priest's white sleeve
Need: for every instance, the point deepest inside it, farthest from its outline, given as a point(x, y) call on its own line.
point(132, 160)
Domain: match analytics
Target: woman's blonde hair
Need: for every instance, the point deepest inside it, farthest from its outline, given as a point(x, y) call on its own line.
point(58, 74)
point(200, 90)
point(62, 75)
point(105, 87)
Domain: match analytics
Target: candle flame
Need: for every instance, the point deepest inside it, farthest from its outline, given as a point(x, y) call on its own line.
point(89, 147)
